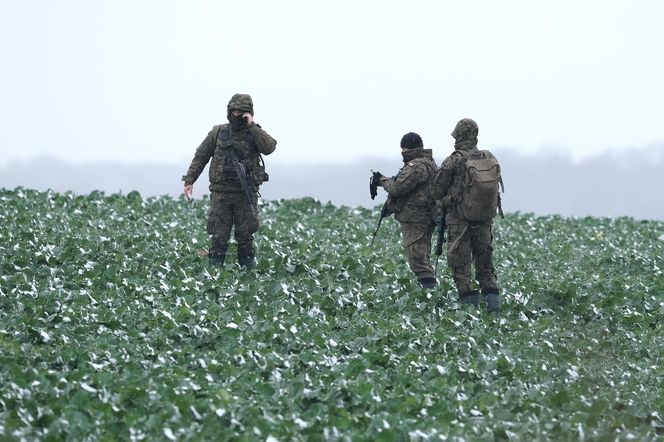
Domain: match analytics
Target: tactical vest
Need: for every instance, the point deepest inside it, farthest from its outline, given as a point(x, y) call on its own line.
point(222, 172)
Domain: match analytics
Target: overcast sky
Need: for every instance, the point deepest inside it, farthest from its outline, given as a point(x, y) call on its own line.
point(130, 80)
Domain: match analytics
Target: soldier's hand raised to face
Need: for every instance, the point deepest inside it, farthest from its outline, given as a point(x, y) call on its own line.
point(248, 118)
point(188, 190)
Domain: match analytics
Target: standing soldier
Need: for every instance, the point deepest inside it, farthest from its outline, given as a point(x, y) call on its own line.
point(467, 182)
point(236, 172)
point(409, 198)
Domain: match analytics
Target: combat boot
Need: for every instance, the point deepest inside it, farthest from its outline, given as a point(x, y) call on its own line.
point(471, 298)
point(217, 259)
point(492, 301)
point(427, 282)
point(248, 261)
point(217, 256)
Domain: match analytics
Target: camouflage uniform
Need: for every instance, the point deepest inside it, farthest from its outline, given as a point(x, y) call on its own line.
point(228, 204)
point(467, 242)
point(410, 200)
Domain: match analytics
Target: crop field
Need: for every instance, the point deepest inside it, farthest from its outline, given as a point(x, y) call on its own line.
point(112, 327)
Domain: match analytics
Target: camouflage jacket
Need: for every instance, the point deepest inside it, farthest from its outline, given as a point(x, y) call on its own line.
point(409, 191)
point(449, 181)
point(248, 144)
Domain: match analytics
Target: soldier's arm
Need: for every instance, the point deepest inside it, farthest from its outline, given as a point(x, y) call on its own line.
point(410, 177)
point(203, 154)
point(264, 142)
point(443, 178)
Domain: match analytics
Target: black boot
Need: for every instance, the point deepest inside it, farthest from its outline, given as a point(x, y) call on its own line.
point(427, 282)
point(492, 300)
point(471, 297)
point(217, 256)
point(216, 259)
point(247, 261)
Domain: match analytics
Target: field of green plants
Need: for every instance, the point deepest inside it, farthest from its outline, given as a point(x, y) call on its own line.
point(113, 327)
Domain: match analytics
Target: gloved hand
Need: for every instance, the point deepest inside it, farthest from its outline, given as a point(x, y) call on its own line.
point(374, 182)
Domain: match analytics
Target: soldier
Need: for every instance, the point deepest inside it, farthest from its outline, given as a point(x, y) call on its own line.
point(468, 240)
point(235, 149)
point(409, 199)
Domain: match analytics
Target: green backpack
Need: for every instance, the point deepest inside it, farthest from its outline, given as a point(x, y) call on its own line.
point(480, 199)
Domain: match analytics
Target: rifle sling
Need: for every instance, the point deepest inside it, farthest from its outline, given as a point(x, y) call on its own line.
point(457, 239)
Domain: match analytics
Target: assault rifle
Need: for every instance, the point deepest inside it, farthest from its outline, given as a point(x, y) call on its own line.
point(246, 180)
point(384, 212)
point(373, 191)
point(440, 239)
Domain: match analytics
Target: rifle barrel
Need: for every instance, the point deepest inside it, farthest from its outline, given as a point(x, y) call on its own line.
point(383, 214)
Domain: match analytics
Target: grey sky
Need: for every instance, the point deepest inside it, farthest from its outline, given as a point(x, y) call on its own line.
point(133, 80)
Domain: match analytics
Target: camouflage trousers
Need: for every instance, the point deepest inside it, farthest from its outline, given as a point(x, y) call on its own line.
point(474, 246)
point(228, 209)
point(416, 241)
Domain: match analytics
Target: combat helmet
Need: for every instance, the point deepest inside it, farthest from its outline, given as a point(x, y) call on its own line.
point(241, 102)
point(466, 129)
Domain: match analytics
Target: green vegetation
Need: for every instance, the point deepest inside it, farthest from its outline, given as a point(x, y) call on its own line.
point(112, 326)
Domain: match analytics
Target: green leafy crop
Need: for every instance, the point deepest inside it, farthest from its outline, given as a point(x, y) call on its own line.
point(113, 327)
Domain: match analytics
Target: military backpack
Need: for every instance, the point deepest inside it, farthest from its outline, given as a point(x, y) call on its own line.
point(480, 198)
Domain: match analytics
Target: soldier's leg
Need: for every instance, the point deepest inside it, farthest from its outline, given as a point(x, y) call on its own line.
point(482, 239)
point(459, 260)
point(220, 223)
point(246, 224)
point(416, 241)
point(426, 245)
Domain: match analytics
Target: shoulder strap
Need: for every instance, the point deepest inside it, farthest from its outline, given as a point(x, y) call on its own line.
point(222, 128)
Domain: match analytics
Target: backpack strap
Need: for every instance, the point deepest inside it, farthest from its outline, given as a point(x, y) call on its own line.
point(500, 203)
point(260, 160)
point(458, 238)
point(219, 134)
